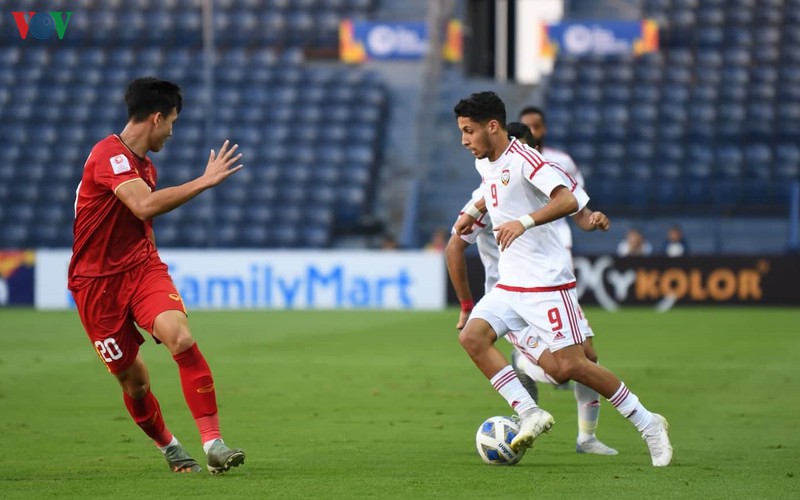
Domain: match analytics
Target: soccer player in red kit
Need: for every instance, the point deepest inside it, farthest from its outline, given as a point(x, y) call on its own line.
point(119, 281)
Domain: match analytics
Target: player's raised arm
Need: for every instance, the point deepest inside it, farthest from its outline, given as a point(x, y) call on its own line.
point(146, 204)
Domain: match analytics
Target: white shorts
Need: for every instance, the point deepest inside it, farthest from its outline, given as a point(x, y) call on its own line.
point(537, 320)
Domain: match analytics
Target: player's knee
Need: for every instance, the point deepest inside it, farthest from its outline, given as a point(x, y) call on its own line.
point(558, 375)
point(182, 340)
point(473, 340)
point(137, 389)
point(573, 370)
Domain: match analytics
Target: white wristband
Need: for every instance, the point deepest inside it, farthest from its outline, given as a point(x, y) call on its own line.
point(473, 212)
point(527, 221)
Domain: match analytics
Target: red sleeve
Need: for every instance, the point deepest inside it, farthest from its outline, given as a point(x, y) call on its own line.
point(114, 166)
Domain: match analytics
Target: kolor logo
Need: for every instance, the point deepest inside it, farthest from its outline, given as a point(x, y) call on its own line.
point(42, 25)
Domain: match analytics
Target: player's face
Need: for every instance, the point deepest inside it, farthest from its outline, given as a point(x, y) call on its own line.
point(162, 130)
point(475, 136)
point(536, 124)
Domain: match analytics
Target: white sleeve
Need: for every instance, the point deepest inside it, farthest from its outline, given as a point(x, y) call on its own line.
point(569, 165)
point(545, 178)
point(481, 224)
point(573, 184)
point(582, 197)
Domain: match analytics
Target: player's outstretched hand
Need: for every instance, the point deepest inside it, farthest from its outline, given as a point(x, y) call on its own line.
point(506, 233)
point(600, 221)
point(220, 166)
point(464, 224)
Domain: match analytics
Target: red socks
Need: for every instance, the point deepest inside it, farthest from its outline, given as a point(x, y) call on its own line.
point(198, 389)
point(147, 415)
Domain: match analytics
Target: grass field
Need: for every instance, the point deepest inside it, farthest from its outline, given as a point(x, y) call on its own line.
point(385, 405)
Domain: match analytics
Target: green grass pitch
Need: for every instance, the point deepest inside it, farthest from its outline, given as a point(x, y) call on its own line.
point(386, 405)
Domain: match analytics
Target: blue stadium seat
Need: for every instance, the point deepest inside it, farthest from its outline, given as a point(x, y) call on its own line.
point(738, 16)
point(255, 237)
point(316, 236)
point(285, 236)
point(15, 235)
point(709, 59)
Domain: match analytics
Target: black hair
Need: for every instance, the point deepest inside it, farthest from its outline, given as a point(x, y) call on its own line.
point(527, 110)
point(521, 132)
point(482, 107)
point(148, 95)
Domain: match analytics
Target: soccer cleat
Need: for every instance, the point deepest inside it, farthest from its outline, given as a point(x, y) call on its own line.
point(594, 446)
point(532, 424)
point(528, 383)
point(180, 461)
point(222, 458)
point(658, 441)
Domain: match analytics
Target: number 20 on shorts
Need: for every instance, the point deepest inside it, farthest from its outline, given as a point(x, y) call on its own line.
point(108, 350)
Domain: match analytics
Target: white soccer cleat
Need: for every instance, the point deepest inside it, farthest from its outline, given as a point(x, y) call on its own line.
point(658, 441)
point(594, 446)
point(532, 424)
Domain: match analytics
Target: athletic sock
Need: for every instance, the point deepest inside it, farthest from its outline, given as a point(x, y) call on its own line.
point(170, 444)
point(198, 389)
point(147, 415)
point(629, 407)
point(207, 444)
point(535, 371)
point(588, 411)
point(508, 385)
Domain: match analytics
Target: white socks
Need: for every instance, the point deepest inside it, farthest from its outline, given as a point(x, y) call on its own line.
point(629, 407)
point(207, 445)
point(588, 411)
point(508, 385)
point(171, 443)
point(534, 371)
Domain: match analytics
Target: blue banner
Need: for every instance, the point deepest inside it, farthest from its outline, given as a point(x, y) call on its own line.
point(583, 38)
point(361, 41)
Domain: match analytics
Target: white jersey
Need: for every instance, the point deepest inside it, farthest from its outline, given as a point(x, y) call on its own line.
point(567, 164)
point(518, 183)
point(483, 235)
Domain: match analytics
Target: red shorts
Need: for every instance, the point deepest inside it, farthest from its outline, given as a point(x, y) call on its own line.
point(110, 307)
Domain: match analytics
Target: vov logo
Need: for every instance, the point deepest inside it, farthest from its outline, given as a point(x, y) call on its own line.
point(42, 25)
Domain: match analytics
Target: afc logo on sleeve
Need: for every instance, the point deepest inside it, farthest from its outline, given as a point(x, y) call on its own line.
point(120, 164)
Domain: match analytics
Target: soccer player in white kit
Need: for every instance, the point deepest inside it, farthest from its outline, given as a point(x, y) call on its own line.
point(522, 194)
point(531, 359)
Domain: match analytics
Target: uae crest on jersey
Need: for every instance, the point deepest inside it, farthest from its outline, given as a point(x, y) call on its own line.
point(505, 176)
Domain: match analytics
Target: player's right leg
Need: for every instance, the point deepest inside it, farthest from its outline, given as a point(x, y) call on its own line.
point(492, 317)
point(158, 308)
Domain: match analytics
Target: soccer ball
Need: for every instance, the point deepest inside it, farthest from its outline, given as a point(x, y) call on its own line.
point(493, 441)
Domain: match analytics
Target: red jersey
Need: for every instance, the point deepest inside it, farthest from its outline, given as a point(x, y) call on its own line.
point(108, 237)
